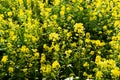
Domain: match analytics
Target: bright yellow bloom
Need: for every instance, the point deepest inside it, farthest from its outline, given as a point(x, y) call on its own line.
point(98, 59)
point(68, 52)
point(56, 2)
point(86, 64)
point(115, 72)
point(69, 34)
point(92, 52)
point(24, 49)
point(74, 44)
point(9, 13)
point(73, 1)
point(36, 54)
point(48, 68)
point(45, 68)
point(34, 39)
point(105, 27)
point(53, 36)
point(43, 58)
point(55, 64)
point(56, 47)
point(62, 13)
point(98, 75)
point(79, 28)
point(4, 59)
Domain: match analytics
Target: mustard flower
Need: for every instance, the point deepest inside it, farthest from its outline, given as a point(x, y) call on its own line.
point(105, 27)
point(9, 13)
point(87, 35)
point(56, 2)
point(68, 52)
point(4, 58)
point(99, 75)
point(85, 64)
point(92, 53)
point(48, 68)
point(98, 59)
point(62, 13)
point(79, 28)
point(73, 1)
point(53, 36)
point(36, 54)
point(56, 47)
point(115, 72)
point(43, 58)
point(24, 49)
point(55, 64)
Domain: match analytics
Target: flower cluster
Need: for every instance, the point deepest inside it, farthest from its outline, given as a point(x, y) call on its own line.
point(57, 39)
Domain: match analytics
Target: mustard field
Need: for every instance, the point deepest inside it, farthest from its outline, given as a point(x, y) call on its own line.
point(59, 39)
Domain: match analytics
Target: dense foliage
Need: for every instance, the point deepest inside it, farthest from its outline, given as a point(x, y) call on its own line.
point(57, 39)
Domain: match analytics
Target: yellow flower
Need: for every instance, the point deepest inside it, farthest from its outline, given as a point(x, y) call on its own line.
point(42, 68)
point(73, 44)
point(81, 8)
point(68, 53)
point(43, 58)
point(21, 13)
point(24, 49)
point(116, 24)
point(34, 39)
point(115, 72)
point(25, 70)
point(56, 47)
point(9, 13)
point(78, 27)
point(53, 36)
point(36, 54)
point(119, 56)
point(98, 75)
point(92, 52)
point(56, 2)
point(89, 76)
point(48, 68)
point(55, 64)
point(69, 34)
point(69, 18)
point(87, 35)
point(4, 59)
point(80, 1)
point(9, 45)
point(10, 69)
point(20, 1)
point(105, 27)
point(98, 59)
point(13, 37)
point(73, 1)
point(62, 13)
point(55, 17)
point(87, 40)
point(68, 9)
point(86, 64)
point(85, 74)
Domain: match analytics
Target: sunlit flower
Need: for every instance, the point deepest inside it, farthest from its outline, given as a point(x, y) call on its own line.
point(4, 59)
point(24, 49)
point(55, 64)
